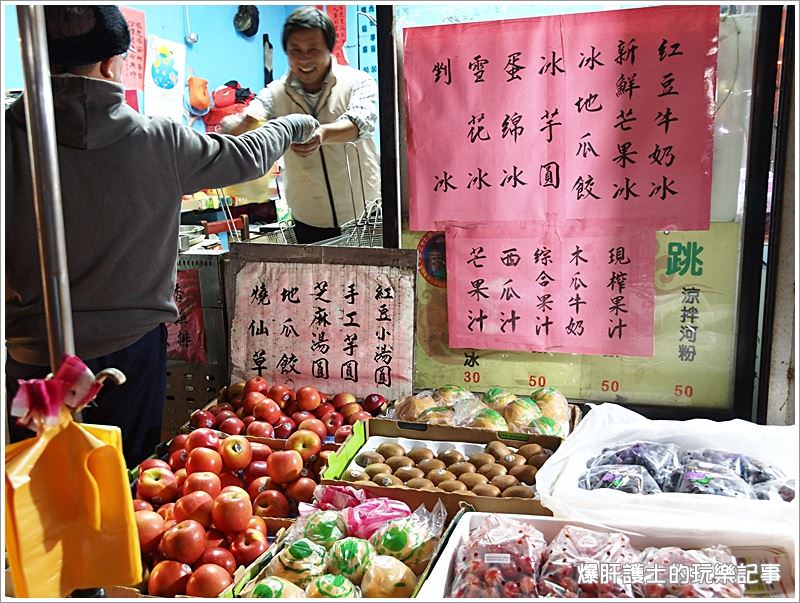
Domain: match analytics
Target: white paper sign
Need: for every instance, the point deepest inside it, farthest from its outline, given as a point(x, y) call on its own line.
point(341, 328)
point(164, 78)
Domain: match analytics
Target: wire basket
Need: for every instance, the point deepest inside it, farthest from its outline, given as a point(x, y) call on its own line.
point(282, 235)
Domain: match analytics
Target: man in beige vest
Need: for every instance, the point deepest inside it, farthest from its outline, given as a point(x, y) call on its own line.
point(344, 101)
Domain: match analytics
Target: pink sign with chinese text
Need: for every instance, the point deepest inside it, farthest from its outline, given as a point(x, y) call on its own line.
point(338, 15)
point(133, 74)
point(538, 287)
point(604, 115)
point(186, 337)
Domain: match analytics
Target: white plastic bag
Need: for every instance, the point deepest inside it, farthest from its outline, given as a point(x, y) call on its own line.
point(609, 424)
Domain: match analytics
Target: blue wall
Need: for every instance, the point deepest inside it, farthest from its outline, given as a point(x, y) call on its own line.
point(221, 54)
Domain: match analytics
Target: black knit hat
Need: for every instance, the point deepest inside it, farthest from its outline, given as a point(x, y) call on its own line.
point(82, 35)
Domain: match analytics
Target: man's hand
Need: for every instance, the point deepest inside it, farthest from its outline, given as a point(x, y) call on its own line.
point(311, 145)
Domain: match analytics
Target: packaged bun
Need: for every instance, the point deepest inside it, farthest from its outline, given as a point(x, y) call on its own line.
point(497, 398)
point(410, 407)
point(388, 578)
point(554, 406)
point(299, 563)
point(520, 413)
point(489, 419)
point(437, 415)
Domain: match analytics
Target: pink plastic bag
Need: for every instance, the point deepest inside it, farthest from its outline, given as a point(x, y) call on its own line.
point(365, 519)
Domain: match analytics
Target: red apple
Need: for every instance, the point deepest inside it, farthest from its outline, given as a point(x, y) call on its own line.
point(271, 503)
point(233, 489)
point(260, 429)
point(201, 418)
point(150, 526)
point(323, 409)
point(224, 414)
point(202, 438)
point(285, 465)
point(248, 546)
point(168, 523)
point(332, 421)
point(241, 413)
point(258, 523)
point(217, 538)
point(342, 399)
point(185, 541)
point(168, 579)
point(342, 433)
point(157, 486)
point(231, 426)
point(250, 401)
point(167, 511)
point(226, 480)
point(202, 480)
point(308, 398)
point(373, 403)
point(141, 505)
point(267, 410)
point(231, 512)
point(253, 470)
point(361, 415)
point(314, 425)
point(256, 384)
point(219, 556)
point(203, 459)
point(216, 408)
point(236, 452)
point(180, 475)
point(290, 408)
point(300, 416)
point(261, 483)
point(349, 409)
point(177, 460)
point(208, 581)
point(178, 442)
point(301, 489)
point(148, 463)
point(304, 441)
point(195, 505)
point(283, 428)
point(237, 402)
point(281, 394)
point(260, 451)
point(247, 419)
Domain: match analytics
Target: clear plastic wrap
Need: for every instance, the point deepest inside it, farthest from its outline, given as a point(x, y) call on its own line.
point(554, 406)
point(299, 563)
point(450, 394)
point(521, 413)
point(660, 459)
point(412, 539)
point(776, 489)
point(750, 469)
point(633, 479)
point(699, 477)
point(409, 408)
point(497, 397)
point(502, 559)
point(573, 551)
point(437, 415)
point(685, 579)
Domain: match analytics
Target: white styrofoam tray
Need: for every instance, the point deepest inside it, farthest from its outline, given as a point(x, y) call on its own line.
point(372, 443)
point(749, 545)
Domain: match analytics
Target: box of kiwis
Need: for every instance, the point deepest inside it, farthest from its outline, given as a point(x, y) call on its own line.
point(420, 464)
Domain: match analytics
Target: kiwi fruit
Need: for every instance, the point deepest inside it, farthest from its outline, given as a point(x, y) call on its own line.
point(512, 460)
point(388, 450)
point(486, 490)
point(396, 462)
point(451, 456)
point(368, 458)
point(491, 470)
point(419, 483)
point(438, 476)
point(462, 467)
point(376, 468)
point(363, 482)
point(528, 450)
point(429, 465)
point(420, 454)
point(518, 492)
point(470, 480)
point(386, 480)
point(524, 473)
point(537, 460)
point(504, 481)
point(408, 473)
point(497, 449)
point(479, 459)
point(353, 474)
point(452, 485)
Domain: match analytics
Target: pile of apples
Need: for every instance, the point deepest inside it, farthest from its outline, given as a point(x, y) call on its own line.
point(201, 514)
point(256, 409)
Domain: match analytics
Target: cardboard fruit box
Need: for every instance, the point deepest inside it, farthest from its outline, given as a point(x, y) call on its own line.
point(362, 431)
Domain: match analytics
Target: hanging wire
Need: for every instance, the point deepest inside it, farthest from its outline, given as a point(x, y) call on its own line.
point(725, 17)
